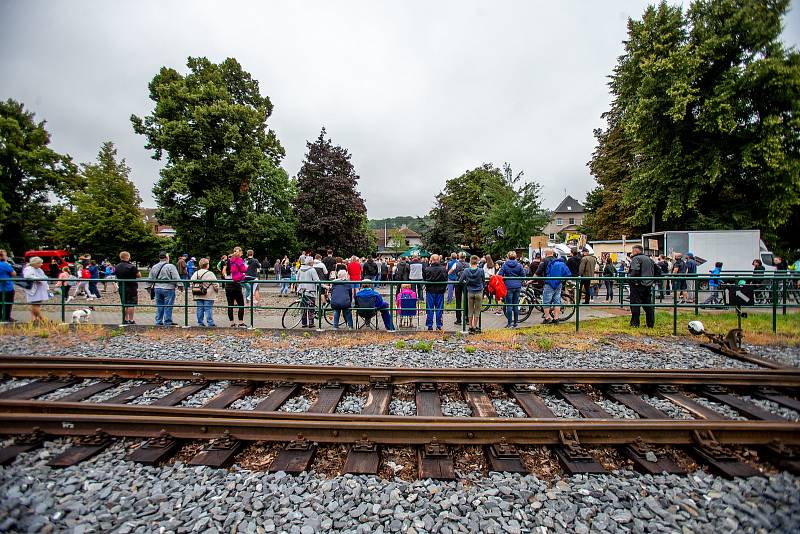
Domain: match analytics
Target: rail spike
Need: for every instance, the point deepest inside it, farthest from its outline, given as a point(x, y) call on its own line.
point(224, 442)
point(30, 439)
point(97, 438)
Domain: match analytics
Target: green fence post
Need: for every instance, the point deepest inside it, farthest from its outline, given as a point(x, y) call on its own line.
point(464, 321)
point(774, 307)
point(621, 290)
point(319, 305)
point(696, 294)
point(122, 301)
point(252, 295)
point(577, 305)
point(674, 311)
point(185, 304)
point(785, 292)
point(391, 304)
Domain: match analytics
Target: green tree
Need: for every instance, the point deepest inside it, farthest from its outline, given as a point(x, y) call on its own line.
point(706, 111)
point(30, 172)
point(461, 208)
point(222, 184)
point(517, 209)
point(398, 241)
point(105, 217)
point(329, 208)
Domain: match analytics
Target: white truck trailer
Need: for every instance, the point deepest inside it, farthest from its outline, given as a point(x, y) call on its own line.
point(736, 249)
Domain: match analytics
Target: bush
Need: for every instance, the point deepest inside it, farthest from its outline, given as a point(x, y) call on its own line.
point(469, 349)
point(424, 346)
point(544, 343)
point(400, 345)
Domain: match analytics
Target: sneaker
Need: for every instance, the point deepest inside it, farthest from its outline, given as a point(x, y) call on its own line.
point(201, 325)
point(392, 330)
point(547, 321)
point(242, 325)
point(233, 325)
point(514, 325)
point(507, 326)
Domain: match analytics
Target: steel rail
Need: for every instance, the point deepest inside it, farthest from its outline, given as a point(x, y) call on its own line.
point(409, 430)
point(170, 370)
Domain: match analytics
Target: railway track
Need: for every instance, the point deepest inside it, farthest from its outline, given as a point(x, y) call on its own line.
point(167, 402)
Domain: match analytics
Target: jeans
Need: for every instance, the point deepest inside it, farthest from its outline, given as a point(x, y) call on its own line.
point(348, 317)
point(285, 286)
point(434, 304)
point(551, 295)
point(586, 289)
point(512, 306)
point(249, 289)
point(641, 295)
point(93, 290)
point(204, 309)
point(450, 288)
point(165, 298)
point(609, 289)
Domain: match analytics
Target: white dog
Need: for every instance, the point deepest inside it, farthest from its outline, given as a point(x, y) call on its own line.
point(82, 316)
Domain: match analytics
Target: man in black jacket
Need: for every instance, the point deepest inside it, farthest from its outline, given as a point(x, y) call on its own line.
point(456, 270)
point(330, 262)
point(574, 262)
point(434, 302)
point(641, 267)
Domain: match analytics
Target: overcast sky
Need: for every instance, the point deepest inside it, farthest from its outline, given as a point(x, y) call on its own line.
point(418, 91)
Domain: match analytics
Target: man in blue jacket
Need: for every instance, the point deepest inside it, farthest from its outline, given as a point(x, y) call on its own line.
point(367, 292)
point(551, 291)
point(512, 268)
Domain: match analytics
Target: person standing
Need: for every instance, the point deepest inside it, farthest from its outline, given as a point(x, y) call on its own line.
point(473, 279)
point(7, 272)
point(663, 285)
point(181, 266)
point(609, 272)
point(451, 277)
point(204, 292)
point(330, 262)
point(691, 271)
point(251, 273)
point(556, 268)
point(277, 270)
point(342, 300)
point(53, 269)
point(39, 292)
point(191, 266)
point(574, 261)
point(235, 270)
point(641, 268)
point(586, 269)
point(434, 300)
point(308, 291)
point(285, 273)
point(127, 274)
point(164, 277)
point(512, 268)
point(456, 270)
point(416, 275)
point(679, 283)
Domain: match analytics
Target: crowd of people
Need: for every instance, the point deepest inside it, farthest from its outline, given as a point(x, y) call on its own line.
point(353, 283)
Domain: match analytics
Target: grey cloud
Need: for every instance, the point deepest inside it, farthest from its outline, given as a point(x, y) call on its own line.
point(419, 92)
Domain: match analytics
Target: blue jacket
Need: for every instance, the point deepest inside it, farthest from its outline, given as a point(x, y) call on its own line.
point(6, 272)
point(714, 282)
point(512, 268)
point(474, 278)
point(341, 295)
point(557, 267)
point(380, 304)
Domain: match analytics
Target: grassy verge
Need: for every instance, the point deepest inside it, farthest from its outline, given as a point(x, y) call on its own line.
point(757, 327)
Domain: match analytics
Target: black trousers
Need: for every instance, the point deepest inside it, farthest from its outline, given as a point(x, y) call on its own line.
point(233, 293)
point(585, 289)
point(641, 295)
point(8, 302)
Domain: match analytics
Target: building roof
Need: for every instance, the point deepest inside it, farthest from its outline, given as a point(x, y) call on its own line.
point(149, 215)
point(569, 205)
point(381, 238)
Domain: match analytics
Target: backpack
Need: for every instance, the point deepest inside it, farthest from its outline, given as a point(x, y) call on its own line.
point(497, 287)
point(556, 268)
point(199, 288)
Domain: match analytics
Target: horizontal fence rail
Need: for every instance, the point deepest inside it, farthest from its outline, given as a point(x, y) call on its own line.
point(776, 292)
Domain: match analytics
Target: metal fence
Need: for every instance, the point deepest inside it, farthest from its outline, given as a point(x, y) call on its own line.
point(774, 293)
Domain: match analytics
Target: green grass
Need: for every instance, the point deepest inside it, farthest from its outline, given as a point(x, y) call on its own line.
point(424, 346)
point(757, 327)
point(400, 345)
point(116, 332)
point(544, 343)
point(469, 349)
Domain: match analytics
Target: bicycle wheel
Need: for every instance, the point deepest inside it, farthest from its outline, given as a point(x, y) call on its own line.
point(327, 314)
point(567, 313)
point(292, 315)
point(525, 307)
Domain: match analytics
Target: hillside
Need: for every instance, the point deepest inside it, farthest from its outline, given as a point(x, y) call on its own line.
point(417, 224)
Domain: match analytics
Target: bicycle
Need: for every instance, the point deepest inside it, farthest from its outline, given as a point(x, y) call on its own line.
point(293, 314)
point(531, 299)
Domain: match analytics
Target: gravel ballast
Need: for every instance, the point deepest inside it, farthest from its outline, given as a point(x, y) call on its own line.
point(109, 494)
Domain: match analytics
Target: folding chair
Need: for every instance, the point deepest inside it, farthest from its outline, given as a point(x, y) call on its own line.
point(368, 313)
point(408, 311)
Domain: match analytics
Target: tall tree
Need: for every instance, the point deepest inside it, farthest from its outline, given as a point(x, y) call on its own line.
point(330, 211)
point(517, 209)
point(30, 172)
point(461, 208)
point(222, 184)
point(706, 111)
point(105, 217)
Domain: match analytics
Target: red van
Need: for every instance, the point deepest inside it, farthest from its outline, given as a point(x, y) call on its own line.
point(63, 257)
